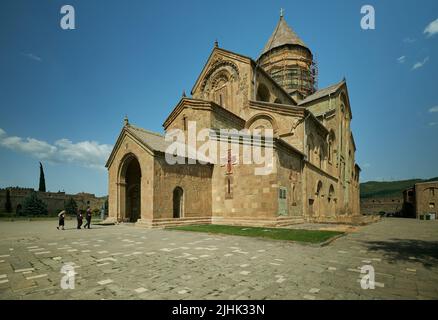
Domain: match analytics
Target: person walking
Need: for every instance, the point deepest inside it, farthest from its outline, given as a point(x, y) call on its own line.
point(79, 217)
point(61, 217)
point(88, 218)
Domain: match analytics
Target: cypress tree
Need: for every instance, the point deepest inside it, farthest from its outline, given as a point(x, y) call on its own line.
point(42, 187)
point(8, 204)
point(34, 206)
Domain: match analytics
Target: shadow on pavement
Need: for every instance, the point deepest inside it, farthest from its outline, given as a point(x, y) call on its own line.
point(425, 252)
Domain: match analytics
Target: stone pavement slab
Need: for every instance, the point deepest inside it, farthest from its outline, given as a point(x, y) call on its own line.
point(124, 262)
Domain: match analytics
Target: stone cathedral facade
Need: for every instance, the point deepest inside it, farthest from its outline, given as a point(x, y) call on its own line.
point(315, 177)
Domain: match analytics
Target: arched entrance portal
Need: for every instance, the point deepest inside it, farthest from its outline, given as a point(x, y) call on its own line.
point(130, 190)
point(178, 202)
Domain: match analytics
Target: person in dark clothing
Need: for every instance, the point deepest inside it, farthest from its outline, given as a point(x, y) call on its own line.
point(88, 218)
point(61, 217)
point(79, 217)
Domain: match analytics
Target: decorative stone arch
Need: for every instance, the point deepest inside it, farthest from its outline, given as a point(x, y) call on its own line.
point(219, 88)
point(263, 93)
point(129, 188)
point(219, 67)
point(262, 118)
point(178, 202)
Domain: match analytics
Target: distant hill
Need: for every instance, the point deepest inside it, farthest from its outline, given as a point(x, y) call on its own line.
point(377, 189)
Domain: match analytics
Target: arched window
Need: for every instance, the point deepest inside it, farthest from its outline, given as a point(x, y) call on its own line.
point(221, 91)
point(319, 188)
point(331, 193)
point(184, 122)
point(229, 187)
point(178, 202)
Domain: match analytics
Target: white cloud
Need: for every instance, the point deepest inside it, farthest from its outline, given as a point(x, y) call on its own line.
point(420, 64)
point(32, 56)
point(433, 124)
point(89, 154)
point(432, 28)
point(402, 59)
point(433, 109)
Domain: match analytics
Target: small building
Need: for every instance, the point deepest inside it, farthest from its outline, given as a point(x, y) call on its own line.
point(421, 201)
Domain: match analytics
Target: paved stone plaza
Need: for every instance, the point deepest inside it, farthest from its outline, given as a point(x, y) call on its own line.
point(124, 262)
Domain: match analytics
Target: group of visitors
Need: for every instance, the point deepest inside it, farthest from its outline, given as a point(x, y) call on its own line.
point(79, 218)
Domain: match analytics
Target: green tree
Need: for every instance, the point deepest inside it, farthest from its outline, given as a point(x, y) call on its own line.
point(42, 187)
point(34, 206)
point(8, 204)
point(71, 207)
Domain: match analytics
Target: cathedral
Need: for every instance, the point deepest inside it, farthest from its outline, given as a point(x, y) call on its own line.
point(314, 177)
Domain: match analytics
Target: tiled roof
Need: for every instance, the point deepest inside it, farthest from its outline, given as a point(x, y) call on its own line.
point(322, 93)
point(157, 142)
point(153, 140)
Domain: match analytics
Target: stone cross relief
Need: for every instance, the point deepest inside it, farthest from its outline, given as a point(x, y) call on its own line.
point(229, 162)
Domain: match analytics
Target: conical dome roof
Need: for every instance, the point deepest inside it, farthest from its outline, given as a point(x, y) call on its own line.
point(283, 35)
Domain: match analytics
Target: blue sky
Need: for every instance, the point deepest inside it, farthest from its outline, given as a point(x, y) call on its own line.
point(64, 93)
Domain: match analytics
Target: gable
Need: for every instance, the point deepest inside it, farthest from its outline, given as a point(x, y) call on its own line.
point(217, 59)
point(328, 100)
point(126, 139)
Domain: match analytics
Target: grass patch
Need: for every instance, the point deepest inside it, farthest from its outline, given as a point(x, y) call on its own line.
point(309, 236)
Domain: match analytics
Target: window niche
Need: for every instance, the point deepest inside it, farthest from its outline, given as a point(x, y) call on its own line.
point(228, 187)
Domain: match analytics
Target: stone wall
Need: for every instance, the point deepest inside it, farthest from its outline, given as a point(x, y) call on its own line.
point(55, 200)
point(321, 194)
point(377, 205)
point(193, 179)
